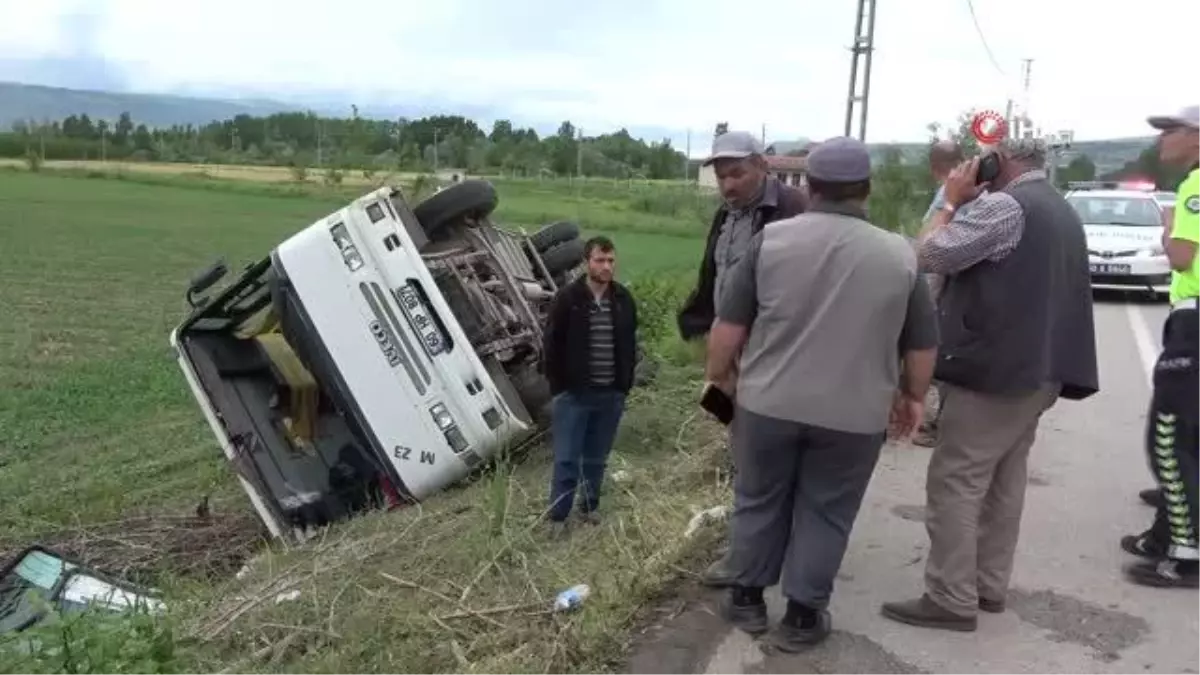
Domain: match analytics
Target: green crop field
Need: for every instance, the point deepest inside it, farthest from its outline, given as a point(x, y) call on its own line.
point(97, 425)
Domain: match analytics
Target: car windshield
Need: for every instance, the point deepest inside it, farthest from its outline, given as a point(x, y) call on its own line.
point(1131, 211)
point(1165, 198)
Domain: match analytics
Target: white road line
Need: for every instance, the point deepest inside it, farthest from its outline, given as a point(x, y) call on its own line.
point(1147, 349)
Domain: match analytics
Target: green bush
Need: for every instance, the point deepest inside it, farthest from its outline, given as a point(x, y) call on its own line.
point(93, 642)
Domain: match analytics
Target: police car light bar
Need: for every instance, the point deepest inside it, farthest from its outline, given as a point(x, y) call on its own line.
point(1141, 186)
point(1092, 185)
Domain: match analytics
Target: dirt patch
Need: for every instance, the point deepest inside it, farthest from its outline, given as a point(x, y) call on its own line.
point(679, 635)
point(842, 652)
point(142, 548)
point(1106, 631)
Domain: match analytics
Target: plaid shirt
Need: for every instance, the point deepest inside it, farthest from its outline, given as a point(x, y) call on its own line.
point(989, 230)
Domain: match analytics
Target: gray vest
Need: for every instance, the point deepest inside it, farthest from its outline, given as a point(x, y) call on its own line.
point(833, 294)
point(1009, 327)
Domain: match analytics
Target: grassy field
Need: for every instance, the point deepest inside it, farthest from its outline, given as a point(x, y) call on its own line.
point(96, 424)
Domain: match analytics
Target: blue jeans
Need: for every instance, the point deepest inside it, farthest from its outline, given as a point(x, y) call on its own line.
point(583, 429)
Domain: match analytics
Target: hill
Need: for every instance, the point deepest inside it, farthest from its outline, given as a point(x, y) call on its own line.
point(23, 102)
point(20, 102)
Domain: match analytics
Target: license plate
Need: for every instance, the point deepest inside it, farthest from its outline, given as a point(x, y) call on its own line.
point(419, 316)
point(1109, 268)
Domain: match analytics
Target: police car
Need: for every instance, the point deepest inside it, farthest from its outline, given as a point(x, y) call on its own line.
point(1124, 227)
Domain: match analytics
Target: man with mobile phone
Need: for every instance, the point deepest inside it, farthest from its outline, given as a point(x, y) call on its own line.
point(1017, 333)
point(751, 198)
point(826, 361)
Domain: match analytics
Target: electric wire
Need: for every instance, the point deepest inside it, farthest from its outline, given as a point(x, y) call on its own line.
point(982, 39)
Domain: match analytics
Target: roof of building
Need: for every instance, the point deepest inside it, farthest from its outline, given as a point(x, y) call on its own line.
point(782, 163)
point(788, 147)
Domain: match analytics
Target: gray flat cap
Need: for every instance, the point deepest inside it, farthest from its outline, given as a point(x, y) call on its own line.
point(734, 145)
point(840, 160)
point(1032, 150)
point(1187, 116)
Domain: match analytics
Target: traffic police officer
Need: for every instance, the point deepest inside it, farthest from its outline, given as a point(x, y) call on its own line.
point(1173, 428)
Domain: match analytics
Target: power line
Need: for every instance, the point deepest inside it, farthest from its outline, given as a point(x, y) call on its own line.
point(986, 48)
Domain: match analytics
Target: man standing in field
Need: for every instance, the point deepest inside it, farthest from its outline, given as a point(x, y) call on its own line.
point(751, 199)
point(840, 338)
point(590, 343)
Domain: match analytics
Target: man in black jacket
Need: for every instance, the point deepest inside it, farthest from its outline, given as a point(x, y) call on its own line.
point(590, 344)
point(751, 199)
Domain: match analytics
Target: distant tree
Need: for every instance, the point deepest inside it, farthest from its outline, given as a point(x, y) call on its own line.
point(1080, 168)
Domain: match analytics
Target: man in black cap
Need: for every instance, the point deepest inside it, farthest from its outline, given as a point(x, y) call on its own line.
point(837, 335)
point(751, 198)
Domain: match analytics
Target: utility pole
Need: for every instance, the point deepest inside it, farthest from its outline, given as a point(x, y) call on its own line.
point(687, 157)
point(1008, 119)
point(579, 154)
point(864, 45)
point(1023, 122)
point(764, 134)
point(435, 151)
point(319, 141)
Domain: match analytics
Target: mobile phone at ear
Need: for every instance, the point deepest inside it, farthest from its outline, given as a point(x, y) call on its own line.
point(989, 168)
point(717, 403)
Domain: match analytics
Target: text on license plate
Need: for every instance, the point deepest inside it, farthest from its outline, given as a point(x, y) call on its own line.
point(1109, 268)
point(418, 316)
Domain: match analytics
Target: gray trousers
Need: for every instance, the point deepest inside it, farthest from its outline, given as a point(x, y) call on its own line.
point(796, 494)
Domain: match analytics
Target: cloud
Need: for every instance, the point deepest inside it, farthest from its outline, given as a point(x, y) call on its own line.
point(670, 65)
point(75, 60)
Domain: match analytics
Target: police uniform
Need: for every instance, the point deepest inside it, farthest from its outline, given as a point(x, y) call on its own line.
point(1173, 424)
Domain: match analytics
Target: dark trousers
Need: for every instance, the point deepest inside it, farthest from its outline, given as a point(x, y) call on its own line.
point(1173, 434)
point(583, 429)
point(796, 495)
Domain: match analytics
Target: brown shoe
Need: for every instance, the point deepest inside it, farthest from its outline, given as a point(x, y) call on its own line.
point(992, 606)
point(926, 613)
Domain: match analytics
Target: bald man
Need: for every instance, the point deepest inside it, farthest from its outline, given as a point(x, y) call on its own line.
point(943, 157)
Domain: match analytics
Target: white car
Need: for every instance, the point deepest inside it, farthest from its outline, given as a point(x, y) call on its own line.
point(1124, 230)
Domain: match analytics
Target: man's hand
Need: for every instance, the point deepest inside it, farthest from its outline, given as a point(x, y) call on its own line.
point(727, 384)
point(960, 186)
point(907, 414)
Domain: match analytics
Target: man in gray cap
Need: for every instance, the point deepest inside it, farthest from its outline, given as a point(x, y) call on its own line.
point(1017, 333)
point(752, 198)
point(837, 336)
point(1170, 546)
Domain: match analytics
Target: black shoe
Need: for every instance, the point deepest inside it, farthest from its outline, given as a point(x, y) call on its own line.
point(1152, 497)
point(792, 637)
point(750, 617)
point(1164, 573)
point(719, 574)
point(1144, 545)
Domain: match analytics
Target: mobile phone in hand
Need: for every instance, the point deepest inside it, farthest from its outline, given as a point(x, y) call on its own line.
point(989, 168)
point(718, 403)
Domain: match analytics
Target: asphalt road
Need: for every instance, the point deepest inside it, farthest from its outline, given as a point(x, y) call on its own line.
point(1069, 609)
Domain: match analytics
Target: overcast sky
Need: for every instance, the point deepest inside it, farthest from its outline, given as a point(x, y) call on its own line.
point(648, 64)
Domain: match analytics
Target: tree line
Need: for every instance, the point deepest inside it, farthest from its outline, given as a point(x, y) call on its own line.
point(303, 139)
